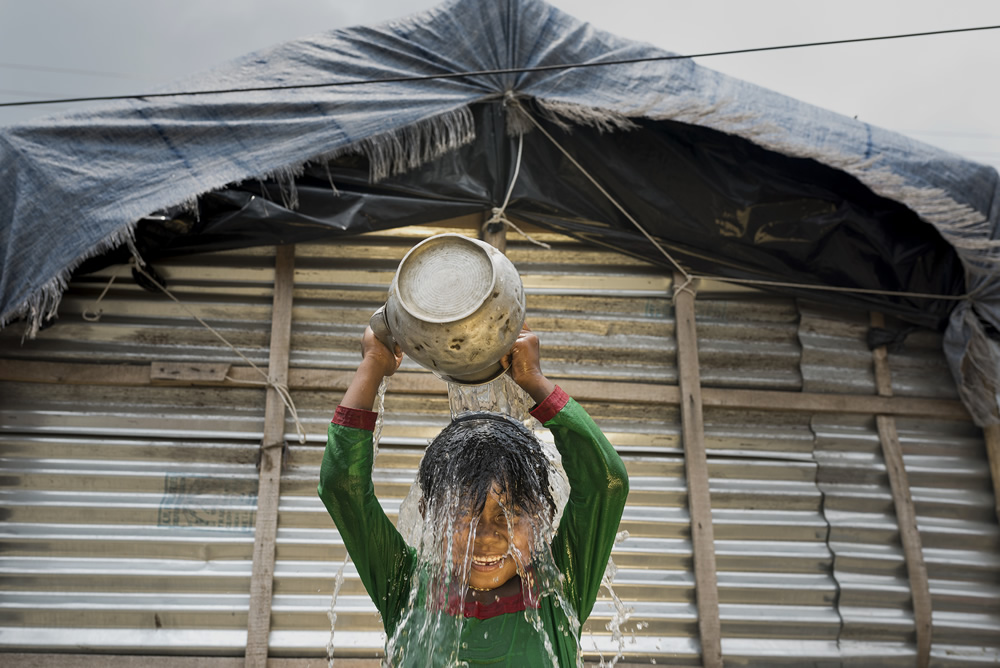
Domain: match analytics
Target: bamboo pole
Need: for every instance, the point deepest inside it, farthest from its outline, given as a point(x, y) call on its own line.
point(906, 515)
point(696, 472)
point(992, 436)
point(494, 234)
point(271, 452)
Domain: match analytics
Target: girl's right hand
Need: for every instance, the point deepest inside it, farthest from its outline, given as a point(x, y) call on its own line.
point(374, 352)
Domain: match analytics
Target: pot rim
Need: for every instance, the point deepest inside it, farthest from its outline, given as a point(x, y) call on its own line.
point(394, 288)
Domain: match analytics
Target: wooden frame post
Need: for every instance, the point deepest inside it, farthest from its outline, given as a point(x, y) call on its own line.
point(706, 587)
point(496, 237)
point(906, 514)
point(271, 453)
point(992, 436)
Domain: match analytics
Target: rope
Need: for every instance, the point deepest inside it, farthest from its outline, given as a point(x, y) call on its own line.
point(95, 316)
point(688, 277)
point(280, 388)
point(611, 199)
point(686, 286)
point(499, 213)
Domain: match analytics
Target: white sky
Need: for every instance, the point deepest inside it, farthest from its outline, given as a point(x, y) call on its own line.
point(942, 90)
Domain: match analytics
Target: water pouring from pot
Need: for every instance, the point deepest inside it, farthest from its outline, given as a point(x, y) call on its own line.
point(455, 306)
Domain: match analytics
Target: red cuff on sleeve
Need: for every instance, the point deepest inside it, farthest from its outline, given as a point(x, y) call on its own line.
point(358, 418)
point(552, 404)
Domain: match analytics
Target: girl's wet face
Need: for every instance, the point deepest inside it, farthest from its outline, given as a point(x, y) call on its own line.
point(500, 545)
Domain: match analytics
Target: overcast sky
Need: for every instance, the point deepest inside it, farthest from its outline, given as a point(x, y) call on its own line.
point(942, 90)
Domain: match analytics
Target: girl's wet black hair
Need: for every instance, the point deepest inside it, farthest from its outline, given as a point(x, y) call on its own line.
point(479, 450)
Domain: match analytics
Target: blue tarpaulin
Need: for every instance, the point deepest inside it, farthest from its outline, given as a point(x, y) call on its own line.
point(734, 180)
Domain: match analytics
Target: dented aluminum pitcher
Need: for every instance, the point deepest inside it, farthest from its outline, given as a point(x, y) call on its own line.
point(456, 306)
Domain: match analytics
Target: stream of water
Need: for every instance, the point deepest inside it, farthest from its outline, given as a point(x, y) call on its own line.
point(501, 395)
point(338, 582)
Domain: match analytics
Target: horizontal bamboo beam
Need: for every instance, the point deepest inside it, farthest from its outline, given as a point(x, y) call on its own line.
point(32, 660)
point(50, 660)
point(814, 402)
point(301, 379)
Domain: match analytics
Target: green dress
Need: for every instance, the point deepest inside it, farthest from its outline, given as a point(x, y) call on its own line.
point(500, 634)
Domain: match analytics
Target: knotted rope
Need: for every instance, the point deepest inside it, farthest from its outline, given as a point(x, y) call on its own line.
point(499, 213)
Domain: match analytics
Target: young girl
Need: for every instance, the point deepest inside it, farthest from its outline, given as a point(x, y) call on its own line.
point(490, 582)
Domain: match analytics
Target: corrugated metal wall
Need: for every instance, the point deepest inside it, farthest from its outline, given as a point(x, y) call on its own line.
point(950, 484)
point(129, 510)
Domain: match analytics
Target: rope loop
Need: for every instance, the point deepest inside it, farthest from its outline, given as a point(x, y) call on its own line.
point(95, 316)
point(497, 217)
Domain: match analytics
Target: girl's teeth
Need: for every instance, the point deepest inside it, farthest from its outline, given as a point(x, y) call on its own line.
point(485, 561)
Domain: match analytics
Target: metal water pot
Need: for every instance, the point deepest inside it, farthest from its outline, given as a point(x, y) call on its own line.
point(456, 306)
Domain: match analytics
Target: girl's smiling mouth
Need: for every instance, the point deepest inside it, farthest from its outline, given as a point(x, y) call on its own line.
point(488, 563)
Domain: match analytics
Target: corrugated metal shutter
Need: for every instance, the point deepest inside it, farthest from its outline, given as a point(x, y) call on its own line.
point(950, 484)
point(129, 510)
point(776, 596)
point(803, 518)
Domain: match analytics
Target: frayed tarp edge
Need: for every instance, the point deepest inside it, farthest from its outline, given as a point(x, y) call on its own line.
point(43, 304)
point(389, 153)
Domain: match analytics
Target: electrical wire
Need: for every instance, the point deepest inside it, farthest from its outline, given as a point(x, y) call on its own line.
point(507, 70)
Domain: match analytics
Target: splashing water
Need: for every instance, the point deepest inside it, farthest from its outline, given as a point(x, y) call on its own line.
point(503, 395)
point(331, 614)
point(430, 633)
point(443, 529)
point(380, 410)
point(622, 613)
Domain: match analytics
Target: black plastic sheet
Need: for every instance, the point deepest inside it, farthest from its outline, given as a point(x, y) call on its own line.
point(717, 203)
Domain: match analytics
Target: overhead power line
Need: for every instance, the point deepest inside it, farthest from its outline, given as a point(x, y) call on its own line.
point(508, 70)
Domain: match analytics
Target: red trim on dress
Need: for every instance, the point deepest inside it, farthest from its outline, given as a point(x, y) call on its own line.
point(552, 404)
point(357, 418)
point(488, 609)
point(507, 604)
